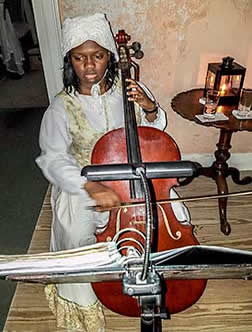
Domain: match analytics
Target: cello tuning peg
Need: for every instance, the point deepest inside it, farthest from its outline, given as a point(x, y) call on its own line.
point(139, 54)
point(136, 46)
point(122, 37)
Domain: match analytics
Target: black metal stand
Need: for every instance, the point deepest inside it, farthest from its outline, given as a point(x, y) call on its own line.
point(147, 284)
point(150, 294)
point(152, 325)
point(152, 314)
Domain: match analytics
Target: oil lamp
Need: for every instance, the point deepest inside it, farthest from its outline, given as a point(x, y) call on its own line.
point(226, 77)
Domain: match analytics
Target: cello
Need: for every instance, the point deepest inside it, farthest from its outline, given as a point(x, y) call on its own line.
point(135, 144)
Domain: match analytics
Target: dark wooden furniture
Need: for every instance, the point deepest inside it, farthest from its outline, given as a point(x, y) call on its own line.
point(187, 105)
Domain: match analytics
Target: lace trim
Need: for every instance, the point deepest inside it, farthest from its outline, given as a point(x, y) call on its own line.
point(83, 135)
point(73, 316)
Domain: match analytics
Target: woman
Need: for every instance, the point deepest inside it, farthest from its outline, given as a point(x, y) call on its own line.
point(89, 106)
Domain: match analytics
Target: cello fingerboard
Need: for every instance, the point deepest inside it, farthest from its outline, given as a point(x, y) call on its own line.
point(132, 139)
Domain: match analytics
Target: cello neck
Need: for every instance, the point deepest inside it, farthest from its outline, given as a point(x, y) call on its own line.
point(130, 123)
point(132, 140)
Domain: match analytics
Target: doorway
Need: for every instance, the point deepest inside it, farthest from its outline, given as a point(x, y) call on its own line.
point(22, 80)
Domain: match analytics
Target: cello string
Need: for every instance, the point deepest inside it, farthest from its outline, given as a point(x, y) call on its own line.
point(180, 199)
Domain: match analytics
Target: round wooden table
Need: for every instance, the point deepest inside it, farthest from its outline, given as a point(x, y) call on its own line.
point(187, 105)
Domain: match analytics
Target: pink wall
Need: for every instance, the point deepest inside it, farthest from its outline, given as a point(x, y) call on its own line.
point(179, 38)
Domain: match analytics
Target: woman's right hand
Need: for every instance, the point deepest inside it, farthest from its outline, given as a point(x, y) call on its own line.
point(105, 197)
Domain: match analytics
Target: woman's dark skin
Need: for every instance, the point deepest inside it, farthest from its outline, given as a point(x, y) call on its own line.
point(90, 61)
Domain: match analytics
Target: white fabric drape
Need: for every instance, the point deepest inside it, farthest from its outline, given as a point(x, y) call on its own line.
point(11, 51)
point(27, 16)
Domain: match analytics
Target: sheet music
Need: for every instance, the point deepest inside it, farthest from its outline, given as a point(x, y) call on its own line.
point(201, 254)
point(106, 256)
point(80, 259)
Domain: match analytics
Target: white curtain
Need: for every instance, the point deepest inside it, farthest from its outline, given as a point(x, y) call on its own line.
point(11, 51)
point(27, 16)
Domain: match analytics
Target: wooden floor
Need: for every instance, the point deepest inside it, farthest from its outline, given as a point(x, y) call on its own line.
point(225, 306)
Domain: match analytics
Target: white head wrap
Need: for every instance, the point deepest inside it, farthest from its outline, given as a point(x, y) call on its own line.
point(79, 29)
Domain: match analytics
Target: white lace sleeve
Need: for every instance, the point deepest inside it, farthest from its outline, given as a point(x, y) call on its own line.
point(55, 160)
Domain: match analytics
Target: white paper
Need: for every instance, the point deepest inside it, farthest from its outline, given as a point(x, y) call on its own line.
point(218, 117)
point(237, 116)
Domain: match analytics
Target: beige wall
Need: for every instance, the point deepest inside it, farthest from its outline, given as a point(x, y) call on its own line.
point(179, 38)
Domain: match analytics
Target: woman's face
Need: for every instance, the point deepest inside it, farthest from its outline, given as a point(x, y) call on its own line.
point(90, 62)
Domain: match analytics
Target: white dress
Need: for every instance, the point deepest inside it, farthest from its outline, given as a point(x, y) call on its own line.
point(72, 225)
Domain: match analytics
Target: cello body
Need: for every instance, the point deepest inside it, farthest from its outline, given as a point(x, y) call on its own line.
point(169, 233)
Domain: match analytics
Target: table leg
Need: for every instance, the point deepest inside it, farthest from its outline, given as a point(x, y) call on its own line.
point(235, 174)
point(219, 171)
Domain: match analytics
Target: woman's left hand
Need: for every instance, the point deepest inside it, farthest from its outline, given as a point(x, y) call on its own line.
point(136, 93)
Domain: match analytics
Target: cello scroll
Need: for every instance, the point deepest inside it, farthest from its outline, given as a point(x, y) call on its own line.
point(126, 52)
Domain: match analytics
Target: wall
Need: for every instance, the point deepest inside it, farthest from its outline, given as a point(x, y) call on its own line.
point(179, 39)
